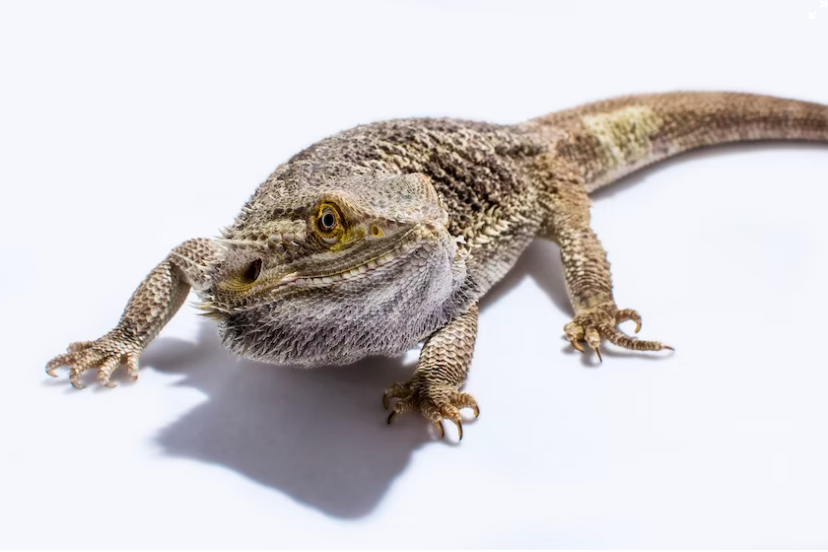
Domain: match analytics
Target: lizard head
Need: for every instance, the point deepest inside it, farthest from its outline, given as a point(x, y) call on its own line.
point(333, 272)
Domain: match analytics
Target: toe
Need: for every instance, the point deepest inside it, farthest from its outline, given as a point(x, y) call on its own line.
point(79, 346)
point(593, 339)
point(57, 362)
point(459, 425)
point(395, 391)
point(624, 341)
point(105, 371)
point(624, 315)
point(81, 362)
point(450, 412)
point(464, 400)
point(574, 332)
point(132, 365)
point(402, 406)
point(74, 378)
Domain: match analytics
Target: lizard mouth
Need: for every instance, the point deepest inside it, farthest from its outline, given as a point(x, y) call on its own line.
point(296, 280)
point(361, 270)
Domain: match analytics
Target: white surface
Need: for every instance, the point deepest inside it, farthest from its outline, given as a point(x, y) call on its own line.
point(126, 129)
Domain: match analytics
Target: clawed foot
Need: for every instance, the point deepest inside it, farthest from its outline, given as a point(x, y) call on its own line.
point(106, 354)
point(435, 401)
point(600, 323)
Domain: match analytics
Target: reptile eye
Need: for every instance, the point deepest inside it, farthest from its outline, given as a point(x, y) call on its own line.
point(253, 271)
point(327, 222)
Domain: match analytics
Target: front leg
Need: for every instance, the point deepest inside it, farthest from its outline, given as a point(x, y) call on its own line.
point(587, 275)
point(152, 305)
point(434, 389)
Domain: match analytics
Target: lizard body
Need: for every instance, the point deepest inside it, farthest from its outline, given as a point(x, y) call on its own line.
point(388, 234)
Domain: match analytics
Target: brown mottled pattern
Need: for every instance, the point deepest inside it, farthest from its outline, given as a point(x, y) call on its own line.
point(476, 168)
point(687, 120)
point(424, 216)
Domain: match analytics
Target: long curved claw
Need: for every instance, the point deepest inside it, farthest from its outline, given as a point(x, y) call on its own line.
point(392, 416)
point(624, 315)
point(439, 426)
point(385, 403)
point(593, 339)
point(51, 370)
point(57, 362)
point(476, 410)
point(459, 425)
point(577, 346)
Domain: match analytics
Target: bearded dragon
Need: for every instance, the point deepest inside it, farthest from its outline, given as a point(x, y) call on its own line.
point(387, 235)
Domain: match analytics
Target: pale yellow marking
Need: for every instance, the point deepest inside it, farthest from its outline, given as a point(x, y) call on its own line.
point(625, 133)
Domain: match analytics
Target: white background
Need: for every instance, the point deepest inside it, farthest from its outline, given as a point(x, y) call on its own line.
point(128, 128)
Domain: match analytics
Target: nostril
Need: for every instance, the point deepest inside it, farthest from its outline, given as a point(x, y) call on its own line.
point(253, 271)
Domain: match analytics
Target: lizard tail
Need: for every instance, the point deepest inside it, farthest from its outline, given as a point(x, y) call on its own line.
point(613, 138)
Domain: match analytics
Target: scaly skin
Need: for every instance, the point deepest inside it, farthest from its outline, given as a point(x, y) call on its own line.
point(388, 234)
